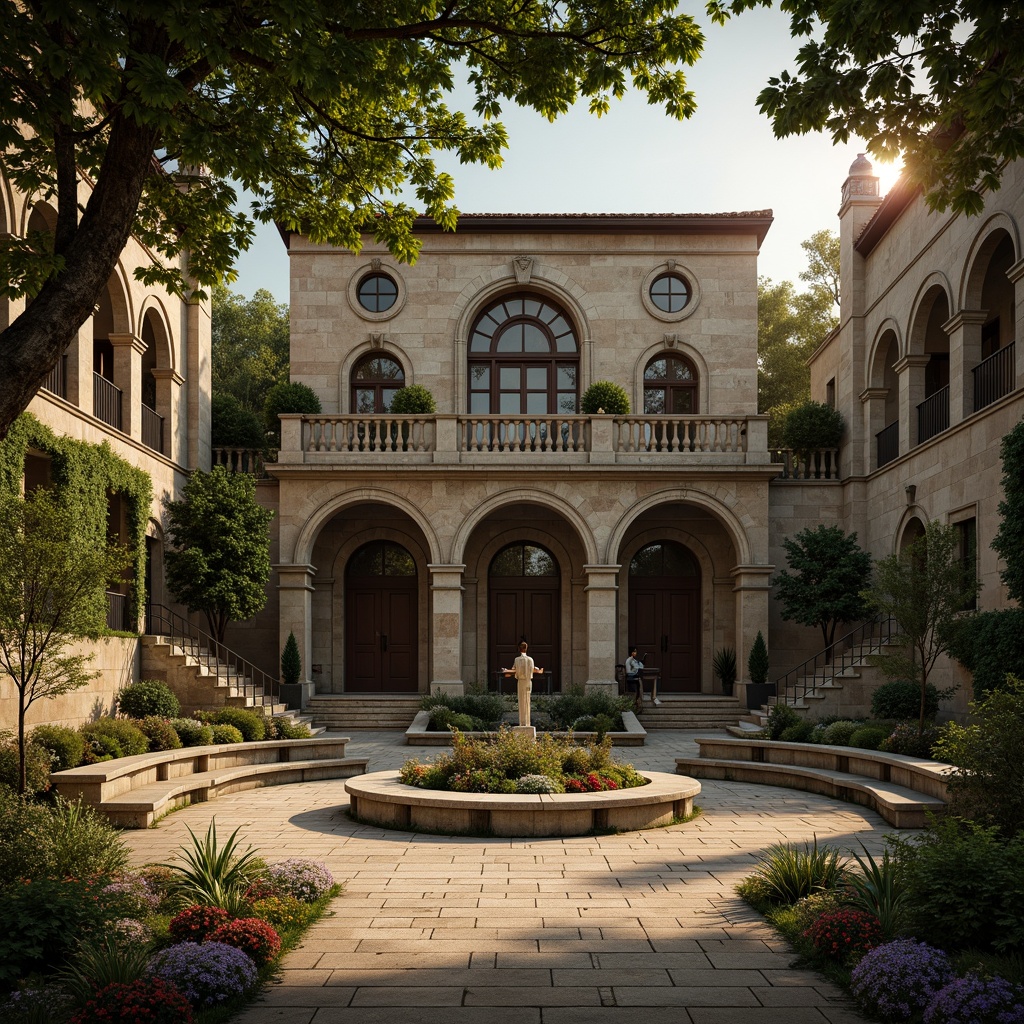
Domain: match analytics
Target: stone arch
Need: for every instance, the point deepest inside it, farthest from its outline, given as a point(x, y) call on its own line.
point(730, 518)
point(989, 236)
point(681, 348)
point(544, 280)
point(154, 313)
point(390, 350)
point(315, 521)
point(917, 323)
point(887, 332)
point(517, 496)
point(911, 526)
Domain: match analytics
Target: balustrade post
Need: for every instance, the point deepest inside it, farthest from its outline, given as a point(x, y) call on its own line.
point(602, 440)
point(446, 438)
point(291, 438)
point(757, 440)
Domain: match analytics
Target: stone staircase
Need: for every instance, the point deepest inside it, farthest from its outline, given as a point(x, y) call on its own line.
point(363, 711)
point(202, 682)
point(691, 712)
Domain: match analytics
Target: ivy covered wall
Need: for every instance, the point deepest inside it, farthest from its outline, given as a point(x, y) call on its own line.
point(82, 474)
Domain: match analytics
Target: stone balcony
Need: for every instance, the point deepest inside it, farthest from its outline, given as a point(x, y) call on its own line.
point(330, 440)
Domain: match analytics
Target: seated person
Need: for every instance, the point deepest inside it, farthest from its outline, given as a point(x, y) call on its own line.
point(635, 676)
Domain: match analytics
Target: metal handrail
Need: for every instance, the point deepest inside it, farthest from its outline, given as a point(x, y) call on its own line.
point(834, 660)
point(223, 663)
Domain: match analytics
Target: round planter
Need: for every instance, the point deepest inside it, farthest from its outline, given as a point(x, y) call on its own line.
point(380, 799)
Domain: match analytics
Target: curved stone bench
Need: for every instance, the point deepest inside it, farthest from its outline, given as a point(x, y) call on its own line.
point(133, 791)
point(380, 799)
point(903, 790)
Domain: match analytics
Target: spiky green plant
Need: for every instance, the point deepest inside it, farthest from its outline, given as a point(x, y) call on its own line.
point(789, 872)
point(214, 875)
point(102, 962)
point(879, 890)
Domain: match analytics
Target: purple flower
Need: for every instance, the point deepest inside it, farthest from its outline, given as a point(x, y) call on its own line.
point(306, 880)
point(136, 893)
point(205, 973)
point(898, 980)
point(131, 932)
point(974, 1000)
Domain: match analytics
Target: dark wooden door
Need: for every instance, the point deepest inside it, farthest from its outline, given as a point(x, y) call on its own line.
point(381, 635)
point(664, 620)
point(525, 608)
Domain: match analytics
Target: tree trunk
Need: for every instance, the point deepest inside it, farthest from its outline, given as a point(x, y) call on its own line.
point(34, 343)
point(22, 771)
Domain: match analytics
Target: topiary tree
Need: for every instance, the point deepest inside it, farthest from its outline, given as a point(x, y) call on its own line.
point(148, 697)
point(292, 396)
point(812, 425)
point(414, 400)
point(234, 426)
point(291, 663)
point(757, 663)
point(220, 562)
point(604, 396)
point(829, 572)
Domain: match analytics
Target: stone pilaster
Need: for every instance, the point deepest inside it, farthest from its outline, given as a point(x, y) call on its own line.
point(964, 330)
point(873, 402)
point(295, 598)
point(602, 598)
point(1016, 276)
point(128, 351)
point(911, 377)
point(446, 628)
point(168, 390)
point(751, 584)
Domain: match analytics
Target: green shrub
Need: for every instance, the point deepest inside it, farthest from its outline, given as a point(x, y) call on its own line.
point(868, 737)
point(989, 644)
point(413, 400)
point(965, 886)
point(801, 732)
point(603, 394)
point(987, 783)
point(128, 737)
point(192, 733)
point(23, 833)
point(37, 765)
point(286, 729)
point(837, 734)
point(288, 397)
point(101, 748)
point(780, 718)
point(234, 426)
point(788, 872)
point(812, 425)
point(906, 738)
point(464, 723)
point(223, 733)
point(567, 708)
point(291, 662)
point(148, 697)
point(159, 732)
point(757, 663)
point(900, 699)
point(65, 746)
point(487, 707)
point(250, 724)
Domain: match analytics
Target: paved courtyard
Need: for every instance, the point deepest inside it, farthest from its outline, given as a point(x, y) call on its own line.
point(636, 928)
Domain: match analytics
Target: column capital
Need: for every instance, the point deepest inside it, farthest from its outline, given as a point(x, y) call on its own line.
point(602, 576)
point(294, 577)
point(965, 318)
point(1016, 272)
point(125, 340)
point(167, 373)
point(752, 577)
point(870, 393)
point(445, 576)
point(910, 362)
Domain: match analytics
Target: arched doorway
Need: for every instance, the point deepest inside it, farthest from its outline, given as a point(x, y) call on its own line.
point(380, 620)
point(523, 604)
point(664, 613)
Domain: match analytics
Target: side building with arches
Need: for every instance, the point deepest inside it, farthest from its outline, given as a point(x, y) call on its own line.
point(925, 368)
point(416, 552)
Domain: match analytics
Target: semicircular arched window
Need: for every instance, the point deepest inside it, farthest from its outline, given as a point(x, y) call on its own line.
point(375, 380)
point(523, 560)
point(523, 358)
point(663, 558)
point(670, 386)
point(381, 558)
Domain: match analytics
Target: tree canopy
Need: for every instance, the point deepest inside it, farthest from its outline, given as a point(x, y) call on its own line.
point(323, 111)
point(937, 81)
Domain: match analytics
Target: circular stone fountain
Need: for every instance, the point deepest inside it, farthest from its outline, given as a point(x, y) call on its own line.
point(380, 799)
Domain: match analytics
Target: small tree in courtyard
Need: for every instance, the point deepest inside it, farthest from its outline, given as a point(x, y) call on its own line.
point(924, 588)
point(757, 663)
point(220, 563)
point(829, 571)
point(291, 663)
point(51, 594)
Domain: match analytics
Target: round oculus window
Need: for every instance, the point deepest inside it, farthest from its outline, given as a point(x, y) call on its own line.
point(670, 292)
point(377, 293)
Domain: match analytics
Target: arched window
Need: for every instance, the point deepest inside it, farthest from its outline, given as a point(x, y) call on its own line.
point(670, 386)
point(523, 560)
point(523, 359)
point(374, 383)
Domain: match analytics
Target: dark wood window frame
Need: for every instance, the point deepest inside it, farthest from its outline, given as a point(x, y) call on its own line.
point(680, 395)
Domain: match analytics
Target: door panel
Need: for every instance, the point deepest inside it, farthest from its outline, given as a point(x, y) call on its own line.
point(518, 607)
point(664, 623)
point(381, 635)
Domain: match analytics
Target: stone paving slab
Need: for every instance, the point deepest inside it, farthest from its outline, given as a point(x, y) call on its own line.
point(638, 928)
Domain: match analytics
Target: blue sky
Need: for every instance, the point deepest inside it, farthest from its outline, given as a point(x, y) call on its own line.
point(638, 160)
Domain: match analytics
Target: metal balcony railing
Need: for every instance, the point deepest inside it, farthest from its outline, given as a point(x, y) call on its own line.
point(106, 401)
point(887, 444)
point(994, 377)
point(152, 429)
point(57, 379)
point(933, 415)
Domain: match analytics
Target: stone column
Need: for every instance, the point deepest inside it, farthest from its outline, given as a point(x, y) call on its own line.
point(1016, 276)
point(751, 585)
point(128, 351)
point(911, 377)
point(446, 628)
point(168, 388)
point(873, 403)
point(602, 598)
point(80, 361)
point(295, 599)
point(964, 330)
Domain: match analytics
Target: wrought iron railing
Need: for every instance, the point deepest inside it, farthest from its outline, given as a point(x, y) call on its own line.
point(227, 667)
point(887, 444)
point(152, 429)
point(994, 377)
point(106, 401)
point(847, 651)
point(933, 415)
point(815, 464)
point(57, 379)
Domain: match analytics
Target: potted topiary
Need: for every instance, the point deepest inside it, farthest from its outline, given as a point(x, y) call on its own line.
point(291, 672)
point(604, 397)
point(724, 666)
point(414, 400)
point(758, 688)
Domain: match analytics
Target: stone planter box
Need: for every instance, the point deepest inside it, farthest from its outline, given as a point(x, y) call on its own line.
point(380, 799)
point(419, 733)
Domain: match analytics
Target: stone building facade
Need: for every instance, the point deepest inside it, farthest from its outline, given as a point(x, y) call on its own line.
point(415, 552)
